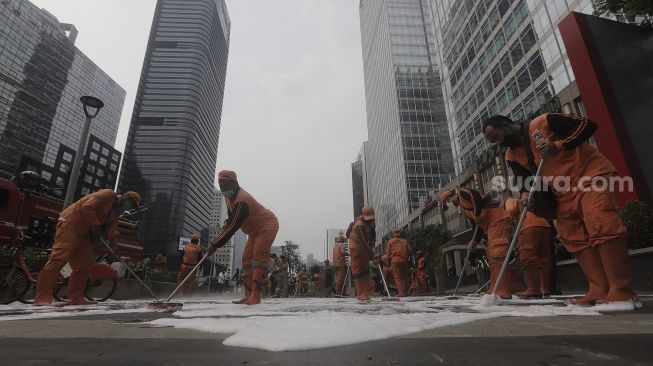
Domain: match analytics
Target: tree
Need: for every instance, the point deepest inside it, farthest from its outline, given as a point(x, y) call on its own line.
point(638, 218)
point(291, 251)
point(429, 239)
point(628, 7)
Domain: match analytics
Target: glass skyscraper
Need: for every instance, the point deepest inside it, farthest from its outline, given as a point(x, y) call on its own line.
point(409, 152)
point(499, 57)
point(171, 150)
point(42, 77)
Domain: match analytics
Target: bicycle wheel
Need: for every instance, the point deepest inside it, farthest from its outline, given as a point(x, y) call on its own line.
point(13, 284)
point(101, 289)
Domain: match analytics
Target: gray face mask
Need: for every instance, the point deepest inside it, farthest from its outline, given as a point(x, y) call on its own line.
point(230, 193)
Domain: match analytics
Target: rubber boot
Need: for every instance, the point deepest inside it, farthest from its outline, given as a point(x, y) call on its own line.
point(592, 267)
point(44, 286)
point(532, 284)
point(247, 283)
point(363, 287)
point(614, 257)
point(545, 280)
point(77, 288)
point(258, 279)
point(504, 289)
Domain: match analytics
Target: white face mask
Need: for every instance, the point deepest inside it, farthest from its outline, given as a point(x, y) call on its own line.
point(451, 205)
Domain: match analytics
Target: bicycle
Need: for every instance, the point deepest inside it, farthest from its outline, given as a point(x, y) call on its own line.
point(16, 278)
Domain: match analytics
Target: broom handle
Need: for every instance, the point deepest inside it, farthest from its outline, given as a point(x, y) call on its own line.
point(129, 268)
point(188, 276)
point(385, 284)
point(345, 284)
point(462, 272)
point(518, 229)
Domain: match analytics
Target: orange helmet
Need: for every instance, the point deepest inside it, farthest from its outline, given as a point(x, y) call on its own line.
point(368, 213)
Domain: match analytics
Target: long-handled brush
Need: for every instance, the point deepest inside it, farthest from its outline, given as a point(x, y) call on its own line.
point(462, 272)
point(385, 284)
point(106, 244)
point(493, 299)
point(170, 307)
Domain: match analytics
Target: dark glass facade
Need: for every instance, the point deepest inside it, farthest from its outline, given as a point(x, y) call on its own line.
point(42, 76)
point(409, 152)
point(172, 145)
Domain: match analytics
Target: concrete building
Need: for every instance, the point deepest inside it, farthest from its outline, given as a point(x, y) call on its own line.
point(409, 151)
point(171, 150)
point(42, 77)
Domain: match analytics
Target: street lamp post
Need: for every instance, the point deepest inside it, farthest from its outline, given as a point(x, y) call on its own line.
point(88, 102)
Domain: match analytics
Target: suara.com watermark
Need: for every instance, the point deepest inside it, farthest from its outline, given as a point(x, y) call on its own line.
point(564, 184)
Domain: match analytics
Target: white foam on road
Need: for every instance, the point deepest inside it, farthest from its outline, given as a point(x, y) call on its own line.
point(303, 324)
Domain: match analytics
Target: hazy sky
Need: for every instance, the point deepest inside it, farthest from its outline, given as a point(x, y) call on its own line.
point(294, 108)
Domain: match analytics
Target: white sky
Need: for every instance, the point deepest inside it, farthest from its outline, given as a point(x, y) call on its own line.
point(294, 108)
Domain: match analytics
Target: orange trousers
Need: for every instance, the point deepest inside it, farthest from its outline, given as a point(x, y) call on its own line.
point(421, 282)
point(70, 246)
point(341, 272)
point(587, 219)
point(360, 260)
point(535, 247)
point(257, 248)
point(400, 275)
point(189, 286)
point(499, 236)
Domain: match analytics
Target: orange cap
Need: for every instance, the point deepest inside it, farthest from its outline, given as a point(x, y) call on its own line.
point(194, 237)
point(135, 197)
point(444, 196)
point(368, 213)
point(227, 174)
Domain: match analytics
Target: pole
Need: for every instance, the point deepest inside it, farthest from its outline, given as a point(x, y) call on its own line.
point(462, 271)
point(74, 172)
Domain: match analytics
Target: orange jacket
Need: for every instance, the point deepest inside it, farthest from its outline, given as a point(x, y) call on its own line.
point(355, 241)
point(258, 215)
point(493, 220)
point(93, 210)
point(191, 254)
point(398, 250)
point(576, 157)
point(339, 255)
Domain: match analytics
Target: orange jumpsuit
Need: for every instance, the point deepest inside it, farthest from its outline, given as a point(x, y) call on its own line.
point(421, 277)
point(360, 252)
point(191, 254)
point(261, 227)
point(586, 219)
point(498, 226)
point(72, 244)
point(534, 245)
point(340, 266)
point(398, 252)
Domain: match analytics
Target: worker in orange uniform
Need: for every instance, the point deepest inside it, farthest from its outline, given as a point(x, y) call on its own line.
point(339, 263)
point(191, 254)
point(587, 218)
point(361, 243)
point(161, 260)
point(92, 218)
point(422, 286)
point(261, 227)
point(398, 253)
point(534, 244)
point(491, 218)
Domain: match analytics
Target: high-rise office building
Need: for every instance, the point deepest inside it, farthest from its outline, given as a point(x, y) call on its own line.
point(501, 57)
point(42, 77)
point(409, 152)
point(359, 180)
point(172, 145)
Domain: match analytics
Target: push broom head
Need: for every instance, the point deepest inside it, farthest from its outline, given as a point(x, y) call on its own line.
point(165, 307)
point(490, 300)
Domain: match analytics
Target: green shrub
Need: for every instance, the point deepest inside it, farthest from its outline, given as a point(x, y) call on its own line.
point(638, 218)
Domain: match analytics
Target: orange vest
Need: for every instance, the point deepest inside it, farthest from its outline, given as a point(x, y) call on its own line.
point(258, 215)
point(339, 255)
point(354, 240)
point(92, 210)
point(191, 254)
point(398, 250)
point(582, 161)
